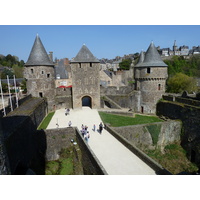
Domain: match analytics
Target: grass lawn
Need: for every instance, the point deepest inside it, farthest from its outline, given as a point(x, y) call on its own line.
point(46, 121)
point(117, 120)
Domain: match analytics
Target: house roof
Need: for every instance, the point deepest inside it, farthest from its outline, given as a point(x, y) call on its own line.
point(60, 70)
point(152, 58)
point(84, 55)
point(38, 55)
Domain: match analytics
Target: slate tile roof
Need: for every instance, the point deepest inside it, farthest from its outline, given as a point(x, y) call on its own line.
point(152, 58)
point(38, 55)
point(84, 55)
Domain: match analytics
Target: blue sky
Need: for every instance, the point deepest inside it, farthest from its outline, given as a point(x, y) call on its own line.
point(104, 41)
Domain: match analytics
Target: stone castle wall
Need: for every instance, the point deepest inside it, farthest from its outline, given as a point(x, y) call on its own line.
point(58, 139)
point(155, 72)
point(189, 115)
point(151, 136)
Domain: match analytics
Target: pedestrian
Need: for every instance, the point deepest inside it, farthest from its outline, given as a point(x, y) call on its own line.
point(87, 136)
point(68, 110)
point(94, 127)
point(70, 123)
point(100, 127)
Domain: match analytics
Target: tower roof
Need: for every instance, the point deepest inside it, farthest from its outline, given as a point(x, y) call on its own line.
point(38, 55)
point(141, 59)
point(84, 55)
point(152, 58)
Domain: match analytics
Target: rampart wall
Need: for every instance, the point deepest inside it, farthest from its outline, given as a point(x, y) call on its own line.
point(187, 111)
point(151, 136)
point(63, 98)
point(22, 143)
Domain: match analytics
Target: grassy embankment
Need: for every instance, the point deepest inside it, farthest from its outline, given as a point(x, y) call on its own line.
point(46, 121)
point(174, 158)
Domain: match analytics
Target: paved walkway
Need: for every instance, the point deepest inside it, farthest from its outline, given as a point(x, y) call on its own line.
point(114, 157)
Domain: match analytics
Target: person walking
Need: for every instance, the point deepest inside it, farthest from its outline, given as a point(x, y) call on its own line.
point(66, 111)
point(100, 127)
point(70, 123)
point(94, 127)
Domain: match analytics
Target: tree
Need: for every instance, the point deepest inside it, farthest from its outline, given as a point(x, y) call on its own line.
point(125, 64)
point(181, 82)
point(23, 86)
point(18, 71)
point(6, 72)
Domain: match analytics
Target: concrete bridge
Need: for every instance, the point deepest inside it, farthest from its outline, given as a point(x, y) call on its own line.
point(113, 155)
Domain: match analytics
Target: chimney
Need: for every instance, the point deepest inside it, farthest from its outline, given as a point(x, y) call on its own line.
point(51, 55)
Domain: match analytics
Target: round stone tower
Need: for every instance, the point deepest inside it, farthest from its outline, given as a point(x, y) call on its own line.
point(150, 76)
point(85, 79)
point(39, 73)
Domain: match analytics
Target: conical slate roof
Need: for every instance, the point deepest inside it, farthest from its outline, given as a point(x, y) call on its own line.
point(152, 58)
point(38, 55)
point(85, 55)
point(141, 59)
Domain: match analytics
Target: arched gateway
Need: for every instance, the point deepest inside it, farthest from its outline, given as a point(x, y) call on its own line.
point(87, 101)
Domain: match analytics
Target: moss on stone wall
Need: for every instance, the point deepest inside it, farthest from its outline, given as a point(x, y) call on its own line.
point(154, 130)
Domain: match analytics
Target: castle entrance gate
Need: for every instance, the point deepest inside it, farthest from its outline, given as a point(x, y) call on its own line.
point(87, 101)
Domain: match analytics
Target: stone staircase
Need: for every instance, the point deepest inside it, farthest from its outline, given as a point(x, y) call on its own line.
point(111, 102)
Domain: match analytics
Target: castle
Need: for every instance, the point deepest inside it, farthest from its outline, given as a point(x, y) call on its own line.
point(150, 76)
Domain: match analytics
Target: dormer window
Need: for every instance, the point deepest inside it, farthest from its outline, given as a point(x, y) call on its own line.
point(58, 76)
point(148, 70)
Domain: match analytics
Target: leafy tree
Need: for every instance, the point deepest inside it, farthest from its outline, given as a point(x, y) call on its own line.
point(18, 71)
point(181, 82)
point(23, 85)
point(190, 67)
point(6, 72)
point(125, 64)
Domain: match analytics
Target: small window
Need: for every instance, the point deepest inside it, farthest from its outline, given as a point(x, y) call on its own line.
point(48, 75)
point(159, 86)
point(32, 71)
point(148, 70)
point(42, 72)
point(79, 65)
point(90, 64)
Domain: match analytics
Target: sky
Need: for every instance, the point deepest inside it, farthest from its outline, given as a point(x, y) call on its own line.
point(104, 41)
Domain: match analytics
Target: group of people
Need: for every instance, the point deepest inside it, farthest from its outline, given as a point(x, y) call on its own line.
point(85, 133)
